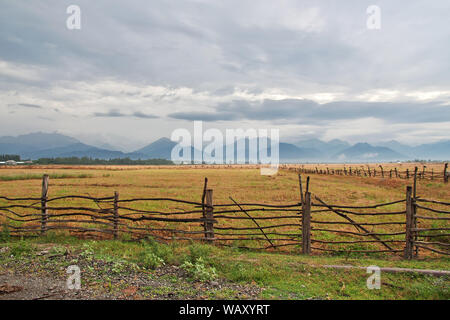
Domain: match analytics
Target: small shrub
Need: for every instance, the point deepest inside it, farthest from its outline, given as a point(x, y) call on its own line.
point(151, 261)
point(198, 251)
point(88, 251)
point(160, 250)
point(199, 271)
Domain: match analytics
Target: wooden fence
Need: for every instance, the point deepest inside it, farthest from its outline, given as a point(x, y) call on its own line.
point(379, 171)
point(310, 223)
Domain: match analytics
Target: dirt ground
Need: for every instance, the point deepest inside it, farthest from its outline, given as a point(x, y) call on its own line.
point(44, 277)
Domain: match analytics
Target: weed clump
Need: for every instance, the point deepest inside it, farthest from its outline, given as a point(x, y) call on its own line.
point(199, 271)
point(21, 248)
point(151, 261)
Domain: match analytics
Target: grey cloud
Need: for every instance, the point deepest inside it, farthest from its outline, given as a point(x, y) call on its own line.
point(26, 105)
point(110, 114)
point(294, 110)
point(46, 118)
point(29, 105)
point(223, 91)
point(204, 44)
point(204, 116)
point(114, 113)
point(144, 115)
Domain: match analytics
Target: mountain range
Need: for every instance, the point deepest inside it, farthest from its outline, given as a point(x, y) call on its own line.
point(51, 145)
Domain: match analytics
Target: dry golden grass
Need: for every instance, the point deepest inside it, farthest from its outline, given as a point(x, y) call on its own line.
point(187, 183)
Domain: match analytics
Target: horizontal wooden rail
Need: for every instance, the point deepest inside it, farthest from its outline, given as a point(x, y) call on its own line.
point(359, 223)
point(432, 210)
point(356, 241)
point(357, 251)
point(359, 207)
point(433, 201)
point(360, 234)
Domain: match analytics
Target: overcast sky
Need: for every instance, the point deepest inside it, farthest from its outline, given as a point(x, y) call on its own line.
point(139, 69)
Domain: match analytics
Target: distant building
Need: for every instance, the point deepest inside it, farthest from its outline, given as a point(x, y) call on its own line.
point(11, 163)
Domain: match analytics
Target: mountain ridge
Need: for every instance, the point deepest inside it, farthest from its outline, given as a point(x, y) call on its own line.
point(51, 145)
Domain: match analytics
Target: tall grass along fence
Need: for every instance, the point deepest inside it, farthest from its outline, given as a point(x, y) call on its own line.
point(380, 171)
point(403, 227)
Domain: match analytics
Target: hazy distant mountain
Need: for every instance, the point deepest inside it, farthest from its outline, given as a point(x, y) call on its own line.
point(53, 145)
point(287, 152)
point(39, 140)
point(11, 148)
point(431, 151)
point(292, 153)
point(367, 152)
point(75, 150)
point(105, 146)
point(33, 142)
point(162, 148)
point(327, 149)
point(397, 146)
point(438, 150)
point(159, 149)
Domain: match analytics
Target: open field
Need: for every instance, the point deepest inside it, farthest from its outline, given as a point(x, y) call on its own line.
point(283, 273)
point(187, 183)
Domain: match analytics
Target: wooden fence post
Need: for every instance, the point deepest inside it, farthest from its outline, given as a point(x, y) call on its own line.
point(445, 173)
point(306, 225)
point(209, 225)
point(414, 211)
point(307, 184)
point(301, 188)
point(408, 254)
point(415, 182)
point(116, 215)
point(44, 198)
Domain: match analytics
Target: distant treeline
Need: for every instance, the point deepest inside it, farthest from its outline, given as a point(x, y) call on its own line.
point(6, 157)
point(118, 161)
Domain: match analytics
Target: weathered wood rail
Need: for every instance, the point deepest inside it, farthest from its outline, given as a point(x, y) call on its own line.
point(393, 227)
